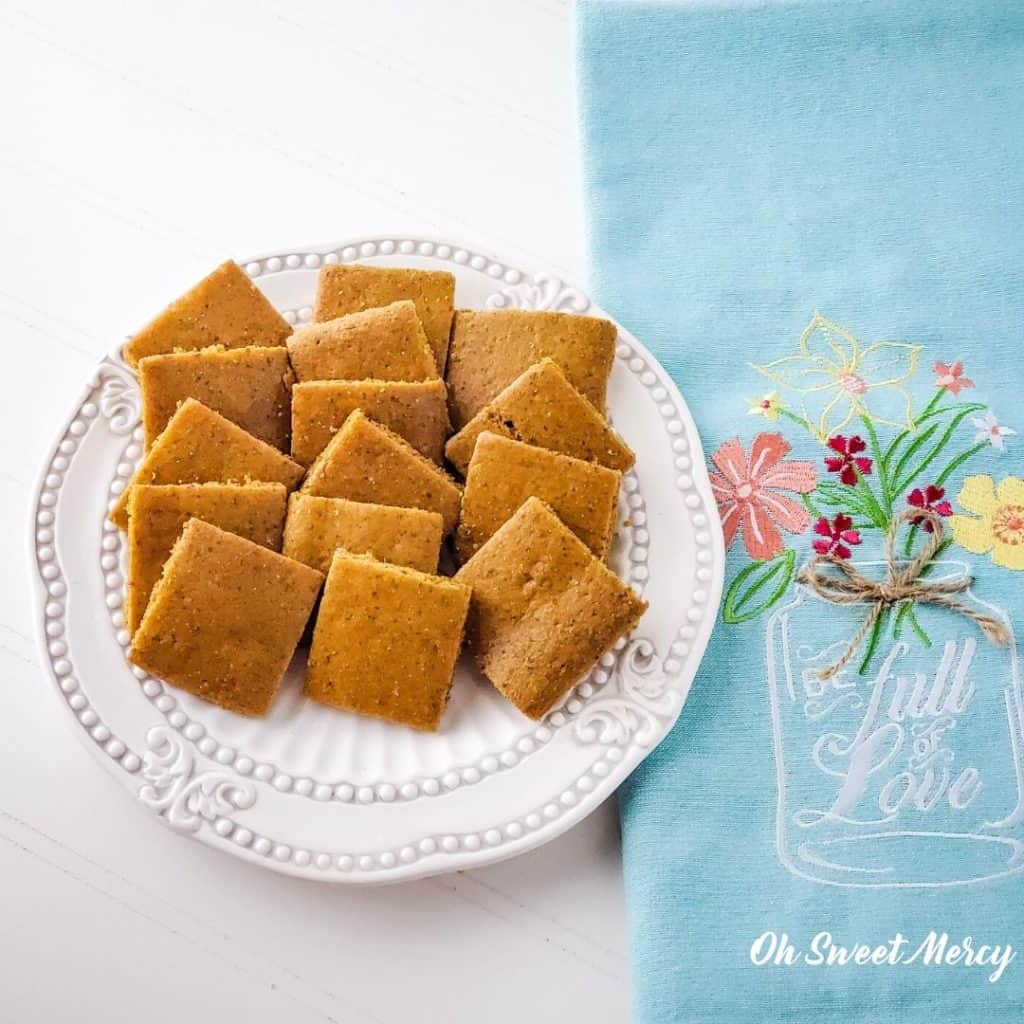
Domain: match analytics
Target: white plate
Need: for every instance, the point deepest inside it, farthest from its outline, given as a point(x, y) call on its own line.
point(322, 794)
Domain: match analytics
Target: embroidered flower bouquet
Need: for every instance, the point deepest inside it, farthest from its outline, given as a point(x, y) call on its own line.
point(877, 459)
point(878, 647)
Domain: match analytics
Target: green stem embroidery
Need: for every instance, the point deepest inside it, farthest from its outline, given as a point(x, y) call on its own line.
point(883, 474)
point(876, 632)
point(906, 612)
point(958, 407)
point(932, 402)
point(841, 496)
point(916, 626)
point(810, 506)
point(937, 448)
point(958, 461)
point(915, 423)
point(897, 622)
point(801, 420)
point(908, 544)
point(931, 411)
point(871, 506)
point(919, 442)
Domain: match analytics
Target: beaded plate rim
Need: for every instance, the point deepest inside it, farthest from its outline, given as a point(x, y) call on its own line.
point(637, 702)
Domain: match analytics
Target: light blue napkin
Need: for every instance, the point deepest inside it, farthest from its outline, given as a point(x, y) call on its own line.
point(812, 212)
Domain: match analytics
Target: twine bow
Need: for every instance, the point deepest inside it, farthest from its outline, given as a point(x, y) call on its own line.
point(900, 584)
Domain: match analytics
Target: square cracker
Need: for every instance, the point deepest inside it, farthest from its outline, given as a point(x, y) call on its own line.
point(354, 287)
point(225, 308)
point(376, 344)
point(199, 445)
point(250, 386)
point(541, 407)
point(504, 473)
point(317, 527)
point(225, 618)
point(491, 348)
point(367, 462)
point(415, 410)
point(157, 514)
point(386, 640)
point(543, 610)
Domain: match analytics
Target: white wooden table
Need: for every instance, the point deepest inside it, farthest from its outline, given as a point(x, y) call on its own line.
point(142, 143)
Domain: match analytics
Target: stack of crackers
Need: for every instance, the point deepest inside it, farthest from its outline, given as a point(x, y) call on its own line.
point(301, 476)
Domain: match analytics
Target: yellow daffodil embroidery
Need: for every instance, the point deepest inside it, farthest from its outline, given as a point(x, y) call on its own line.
point(769, 406)
point(997, 525)
point(839, 380)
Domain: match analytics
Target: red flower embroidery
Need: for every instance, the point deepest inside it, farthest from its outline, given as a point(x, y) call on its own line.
point(929, 499)
point(747, 492)
point(847, 457)
point(951, 377)
point(837, 535)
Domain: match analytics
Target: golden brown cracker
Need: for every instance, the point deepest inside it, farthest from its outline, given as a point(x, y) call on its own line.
point(367, 462)
point(225, 618)
point(199, 445)
point(503, 474)
point(317, 527)
point(490, 348)
point(415, 410)
point(386, 640)
point(540, 407)
point(225, 309)
point(375, 344)
point(543, 609)
point(352, 287)
point(249, 386)
point(157, 514)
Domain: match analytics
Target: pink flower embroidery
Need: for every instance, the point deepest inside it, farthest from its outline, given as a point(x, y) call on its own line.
point(836, 536)
point(747, 492)
point(951, 377)
point(930, 499)
point(847, 459)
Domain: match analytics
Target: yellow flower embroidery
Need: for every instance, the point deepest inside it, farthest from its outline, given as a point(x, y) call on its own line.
point(839, 379)
point(769, 406)
point(999, 526)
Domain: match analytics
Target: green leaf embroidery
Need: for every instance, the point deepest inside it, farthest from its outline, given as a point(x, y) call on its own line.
point(808, 504)
point(916, 626)
point(926, 413)
point(839, 496)
point(912, 449)
point(958, 461)
point(880, 467)
point(906, 608)
point(904, 479)
point(873, 638)
point(774, 574)
point(873, 510)
point(933, 410)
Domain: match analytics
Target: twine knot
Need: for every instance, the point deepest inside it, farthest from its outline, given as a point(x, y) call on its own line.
point(902, 583)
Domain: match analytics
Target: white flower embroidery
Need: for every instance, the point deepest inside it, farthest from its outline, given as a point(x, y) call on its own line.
point(990, 430)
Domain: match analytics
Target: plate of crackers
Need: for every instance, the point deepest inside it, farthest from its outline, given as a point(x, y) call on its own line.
point(375, 560)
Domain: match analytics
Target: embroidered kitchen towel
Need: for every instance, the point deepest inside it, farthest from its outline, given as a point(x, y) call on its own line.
point(812, 212)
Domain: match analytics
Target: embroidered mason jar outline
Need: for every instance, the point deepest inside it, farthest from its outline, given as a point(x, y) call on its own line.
point(877, 782)
point(874, 473)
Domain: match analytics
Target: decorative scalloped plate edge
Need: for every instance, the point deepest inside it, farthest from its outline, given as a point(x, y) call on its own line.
point(195, 795)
